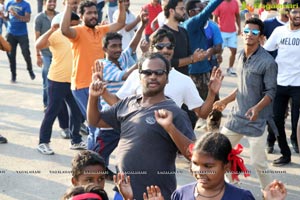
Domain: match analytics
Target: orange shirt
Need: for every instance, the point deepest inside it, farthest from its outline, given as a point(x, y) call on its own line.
point(86, 48)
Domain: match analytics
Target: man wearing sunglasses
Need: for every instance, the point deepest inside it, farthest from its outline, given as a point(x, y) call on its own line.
point(180, 87)
point(116, 68)
point(286, 39)
point(153, 128)
point(256, 88)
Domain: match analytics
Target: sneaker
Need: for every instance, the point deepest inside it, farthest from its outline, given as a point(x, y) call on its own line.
point(230, 72)
point(83, 129)
point(65, 133)
point(283, 160)
point(2, 140)
point(32, 75)
point(45, 149)
point(79, 146)
point(295, 146)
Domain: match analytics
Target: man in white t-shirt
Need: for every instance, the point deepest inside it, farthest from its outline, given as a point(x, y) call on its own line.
point(286, 39)
point(131, 24)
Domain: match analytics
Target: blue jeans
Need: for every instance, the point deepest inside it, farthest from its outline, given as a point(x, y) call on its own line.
point(46, 65)
point(107, 141)
point(59, 93)
point(24, 44)
point(99, 10)
point(81, 97)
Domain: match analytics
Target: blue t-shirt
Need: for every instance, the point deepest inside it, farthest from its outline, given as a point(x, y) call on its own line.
point(186, 192)
point(214, 37)
point(14, 25)
point(195, 28)
point(213, 34)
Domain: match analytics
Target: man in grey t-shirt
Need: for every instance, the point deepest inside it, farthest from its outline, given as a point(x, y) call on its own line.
point(153, 128)
point(256, 73)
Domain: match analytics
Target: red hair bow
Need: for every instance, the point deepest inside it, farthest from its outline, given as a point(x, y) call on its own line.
point(191, 147)
point(86, 196)
point(237, 163)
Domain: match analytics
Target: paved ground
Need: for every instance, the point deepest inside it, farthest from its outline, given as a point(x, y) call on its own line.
point(26, 174)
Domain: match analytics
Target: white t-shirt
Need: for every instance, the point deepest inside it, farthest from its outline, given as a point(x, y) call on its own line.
point(127, 36)
point(1, 7)
point(288, 44)
point(180, 88)
point(161, 19)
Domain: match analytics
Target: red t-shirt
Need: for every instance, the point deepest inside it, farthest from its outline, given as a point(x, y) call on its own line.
point(153, 11)
point(226, 12)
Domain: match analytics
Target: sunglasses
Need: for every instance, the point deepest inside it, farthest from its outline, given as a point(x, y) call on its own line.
point(149, 72)
point(253, 31)
point(295, 12)
point(160, 46)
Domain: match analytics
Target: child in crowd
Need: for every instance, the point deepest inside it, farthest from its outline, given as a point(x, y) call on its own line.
point(88, 167)
point(90, 191)
point(212, 157)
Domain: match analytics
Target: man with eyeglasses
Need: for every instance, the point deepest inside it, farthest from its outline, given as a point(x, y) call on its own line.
point(256, 88)
point(153, 128)
point(286, 39)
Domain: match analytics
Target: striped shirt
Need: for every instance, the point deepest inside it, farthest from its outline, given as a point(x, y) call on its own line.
point(113, 75)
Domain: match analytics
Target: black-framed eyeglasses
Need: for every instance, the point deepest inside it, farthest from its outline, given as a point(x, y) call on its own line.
point(253, 31)
point(160, 46)
point(149, 72)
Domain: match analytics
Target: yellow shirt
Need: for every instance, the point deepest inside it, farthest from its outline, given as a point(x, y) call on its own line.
point(61, 66)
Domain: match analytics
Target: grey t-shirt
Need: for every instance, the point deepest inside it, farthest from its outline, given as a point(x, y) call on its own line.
point(42, 24)
point(146, 152)
point(256, 78)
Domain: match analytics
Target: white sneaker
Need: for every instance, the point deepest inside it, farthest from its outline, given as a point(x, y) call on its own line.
point(78, 146)
point(230, 72)
point(45, 149)
point(65, 133)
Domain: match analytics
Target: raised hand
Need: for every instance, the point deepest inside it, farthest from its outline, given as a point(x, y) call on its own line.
point(275, 191)
point(215, 81)
point(144, 46)
point(154, 193)
point(97, 88)
point(164, 117)
point(144, 16)
point(97, 71)
point(123, 183)
point(219, 105)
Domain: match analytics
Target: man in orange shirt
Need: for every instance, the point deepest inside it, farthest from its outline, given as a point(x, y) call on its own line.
point(86, 42)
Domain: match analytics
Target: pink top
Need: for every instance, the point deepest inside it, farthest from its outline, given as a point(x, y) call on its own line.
point(226, 12)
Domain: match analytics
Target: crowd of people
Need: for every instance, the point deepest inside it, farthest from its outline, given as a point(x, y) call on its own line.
point(146, 106)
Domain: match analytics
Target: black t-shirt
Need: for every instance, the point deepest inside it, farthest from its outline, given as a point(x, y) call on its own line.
point(182, 48)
